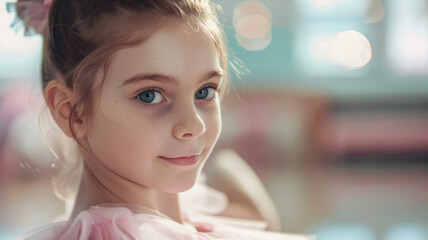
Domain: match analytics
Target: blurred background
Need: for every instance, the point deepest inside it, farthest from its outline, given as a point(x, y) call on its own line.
point(330, 110)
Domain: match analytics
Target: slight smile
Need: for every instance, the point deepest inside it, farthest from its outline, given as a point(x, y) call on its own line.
point(182, 161)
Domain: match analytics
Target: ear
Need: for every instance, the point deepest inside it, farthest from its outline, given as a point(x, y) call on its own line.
point(60, 100)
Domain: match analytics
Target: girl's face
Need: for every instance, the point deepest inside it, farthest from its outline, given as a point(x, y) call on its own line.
point(158, 117)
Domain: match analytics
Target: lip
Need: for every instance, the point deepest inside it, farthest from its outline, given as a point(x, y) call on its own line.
point(182, 161)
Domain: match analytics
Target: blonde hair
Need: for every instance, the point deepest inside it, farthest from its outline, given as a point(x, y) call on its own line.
point(81, 37)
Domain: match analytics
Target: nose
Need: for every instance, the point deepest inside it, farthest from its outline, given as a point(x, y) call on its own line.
point(189, 124)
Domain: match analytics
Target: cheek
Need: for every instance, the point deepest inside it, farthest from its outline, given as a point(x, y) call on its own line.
point(121, 132)
point(213, 124)
point(129, 149)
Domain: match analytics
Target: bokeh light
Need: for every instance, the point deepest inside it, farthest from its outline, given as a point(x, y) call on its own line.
point(349, 49)
point(254, 44)
point(248, 8)
point(253, 25)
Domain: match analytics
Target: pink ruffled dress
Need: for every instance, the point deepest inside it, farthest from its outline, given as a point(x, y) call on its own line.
point(114, 221)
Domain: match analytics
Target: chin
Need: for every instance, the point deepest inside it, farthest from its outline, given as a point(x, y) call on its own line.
point(180, 186)
point(178, 189)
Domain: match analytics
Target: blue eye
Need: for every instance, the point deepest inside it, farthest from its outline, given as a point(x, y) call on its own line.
point(150, 96)
point(205, 93)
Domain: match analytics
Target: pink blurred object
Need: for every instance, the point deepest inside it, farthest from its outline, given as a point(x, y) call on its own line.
point(274, 128)
point(377, 133)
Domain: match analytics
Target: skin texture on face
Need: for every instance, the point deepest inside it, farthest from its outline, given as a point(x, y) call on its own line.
point(158, 101)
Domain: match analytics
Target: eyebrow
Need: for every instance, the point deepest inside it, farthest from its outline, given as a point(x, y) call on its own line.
point(165, 78)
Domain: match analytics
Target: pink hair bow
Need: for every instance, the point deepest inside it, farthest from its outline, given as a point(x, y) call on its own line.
point(34, 14)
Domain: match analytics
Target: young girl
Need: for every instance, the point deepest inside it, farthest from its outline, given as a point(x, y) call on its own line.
point(137, 84)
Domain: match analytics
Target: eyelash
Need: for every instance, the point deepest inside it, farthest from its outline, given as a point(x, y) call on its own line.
point(212, 85)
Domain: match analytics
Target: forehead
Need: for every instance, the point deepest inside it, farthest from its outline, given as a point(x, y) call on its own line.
point(175, 49)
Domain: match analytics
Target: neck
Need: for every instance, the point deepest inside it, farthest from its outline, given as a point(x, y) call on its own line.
point(106, 187)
